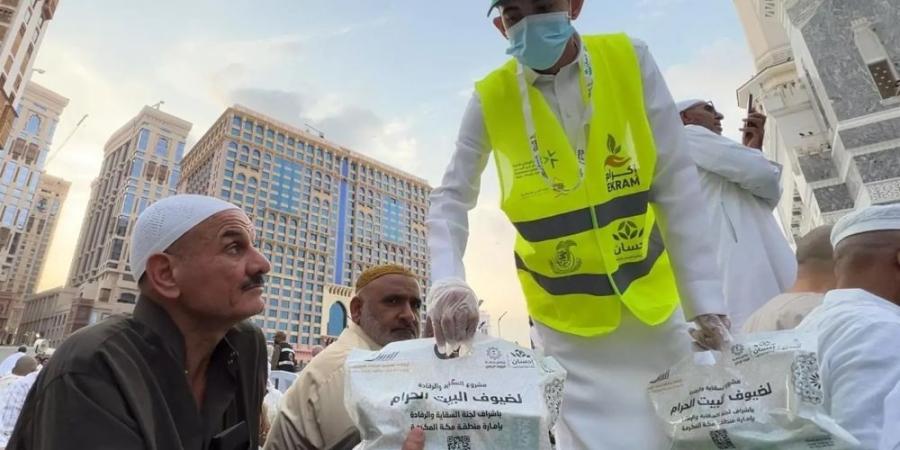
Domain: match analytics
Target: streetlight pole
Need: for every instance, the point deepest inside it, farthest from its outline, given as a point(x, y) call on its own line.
point(499, 334)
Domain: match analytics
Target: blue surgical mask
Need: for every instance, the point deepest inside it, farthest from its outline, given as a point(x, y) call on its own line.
point(538, 41)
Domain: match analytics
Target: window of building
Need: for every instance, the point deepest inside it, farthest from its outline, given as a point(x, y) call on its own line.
point(8, 172)
point(21, 219)
point(22, 176)
point(18, 41)
point(162, 172)
point(9, 215)
point(143, 139)
point(33, 127)
point(871, 48)
point(151, 170)
point(137, 165)
point(162, 147)
point(337, 319)
point(128, 204)
point(115, 252)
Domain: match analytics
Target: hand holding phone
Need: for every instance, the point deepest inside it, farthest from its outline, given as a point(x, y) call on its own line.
point(754, 126)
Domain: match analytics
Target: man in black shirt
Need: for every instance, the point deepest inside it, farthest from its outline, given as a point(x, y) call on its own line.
point(186, 371)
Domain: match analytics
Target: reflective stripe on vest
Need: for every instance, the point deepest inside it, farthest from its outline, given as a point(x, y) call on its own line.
point(579, 221)
point(583, 254)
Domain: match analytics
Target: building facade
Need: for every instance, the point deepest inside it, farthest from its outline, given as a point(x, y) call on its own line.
point(22, 27)
point(323, 213)
point(31, 253)
point(141, 164)
point(828, 80)
point(30, 200)
point(47, 315)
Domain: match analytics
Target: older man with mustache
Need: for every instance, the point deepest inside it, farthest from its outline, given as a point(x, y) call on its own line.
point(385, 309)
point(186, 371)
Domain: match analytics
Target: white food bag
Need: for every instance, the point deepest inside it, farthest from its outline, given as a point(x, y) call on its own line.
point(764, 392)
point(500, 396)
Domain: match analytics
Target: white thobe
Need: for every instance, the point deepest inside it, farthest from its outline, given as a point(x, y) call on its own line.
point(857, 334)
point(890, 439)
point(742, 188)
point(9, 363)
point(605, 404)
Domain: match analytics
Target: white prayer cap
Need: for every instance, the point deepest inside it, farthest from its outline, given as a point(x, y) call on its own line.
point(163, 222)
point(873, 218)
point(688, 104)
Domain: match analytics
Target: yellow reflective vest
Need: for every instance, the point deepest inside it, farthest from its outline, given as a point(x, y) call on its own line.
point(582, 254)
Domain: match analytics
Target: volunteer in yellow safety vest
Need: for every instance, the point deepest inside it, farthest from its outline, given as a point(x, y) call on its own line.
point(612, 249)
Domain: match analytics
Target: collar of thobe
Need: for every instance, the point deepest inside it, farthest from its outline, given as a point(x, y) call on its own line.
point(154, 317)
point(842, 295)
point(361, 335)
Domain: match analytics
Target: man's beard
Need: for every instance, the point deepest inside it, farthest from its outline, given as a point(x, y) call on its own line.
point(383, 335)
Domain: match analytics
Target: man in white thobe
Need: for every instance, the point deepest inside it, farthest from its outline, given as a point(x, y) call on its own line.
point(741, 188)
point(10, 361)
point(606, 404)
point(858, 324)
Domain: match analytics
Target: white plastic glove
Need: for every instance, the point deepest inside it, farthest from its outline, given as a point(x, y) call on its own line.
point(452, 313)
point(712, 332)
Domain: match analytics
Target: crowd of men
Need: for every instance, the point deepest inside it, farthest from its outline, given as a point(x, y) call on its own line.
point(650, 236)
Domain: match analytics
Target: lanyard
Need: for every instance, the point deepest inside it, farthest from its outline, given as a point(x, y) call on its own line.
point(581, 139)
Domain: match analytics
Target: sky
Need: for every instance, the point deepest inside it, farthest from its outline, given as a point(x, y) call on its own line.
point(388, 78)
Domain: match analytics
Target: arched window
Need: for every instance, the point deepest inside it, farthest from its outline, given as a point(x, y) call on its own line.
point(34, 125)
point(337, 319)
point(245, 153)
point(256, 156)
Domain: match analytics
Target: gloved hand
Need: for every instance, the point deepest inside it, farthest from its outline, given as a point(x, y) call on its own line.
point(712, 332)
point(452, 313)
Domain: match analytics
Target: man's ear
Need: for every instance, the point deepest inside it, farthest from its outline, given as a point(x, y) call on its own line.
point(160, 275)
point(498, 22)
point(356, 305)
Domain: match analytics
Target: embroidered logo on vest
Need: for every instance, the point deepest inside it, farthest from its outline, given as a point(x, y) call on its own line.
point(565, 260)
point(628, 235)
point(621, 172)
